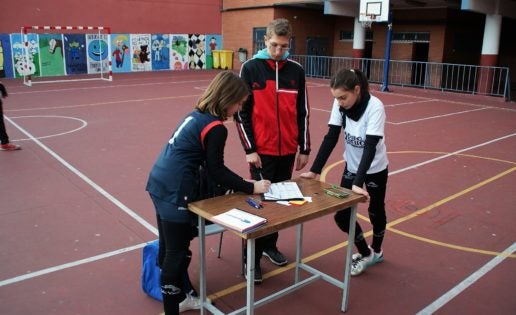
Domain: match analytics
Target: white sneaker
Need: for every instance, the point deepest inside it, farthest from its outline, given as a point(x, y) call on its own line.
point(359, 264)
point(190, 303)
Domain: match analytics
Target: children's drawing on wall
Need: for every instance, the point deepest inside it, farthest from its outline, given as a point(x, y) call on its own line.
point(141, 48)
point(214, 43)
point(179, 52)
point(6, 66)
point(75, 53)
point(196, 51)
point(160, 51)
point(121, 54)
point(97, 48)
point(25, 59)
point(52, 54)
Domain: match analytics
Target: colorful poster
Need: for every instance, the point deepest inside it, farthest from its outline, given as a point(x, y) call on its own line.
point(160, 52)
point(75, 53)
point(121, 54)
point(6, 66)
point(51, 54)
point(196, 51)
point(25, 60)
point(97, 48)
point(214, 43)
point(179, 52)
point(140, 46)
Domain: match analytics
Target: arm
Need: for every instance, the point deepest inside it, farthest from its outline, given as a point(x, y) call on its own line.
point(3, 90)
point(214, 142)
point(327, 146)
point(303, 116)
point(243, 118)
point(367, 159)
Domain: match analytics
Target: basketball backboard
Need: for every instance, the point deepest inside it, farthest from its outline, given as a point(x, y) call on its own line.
point(374, 11)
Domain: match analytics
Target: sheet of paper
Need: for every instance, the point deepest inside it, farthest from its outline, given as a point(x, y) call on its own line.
point(284, 191)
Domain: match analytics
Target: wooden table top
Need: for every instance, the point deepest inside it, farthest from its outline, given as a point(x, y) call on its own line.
point(279, 216)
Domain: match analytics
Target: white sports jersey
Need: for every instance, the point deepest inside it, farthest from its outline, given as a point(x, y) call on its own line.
point(371, 123)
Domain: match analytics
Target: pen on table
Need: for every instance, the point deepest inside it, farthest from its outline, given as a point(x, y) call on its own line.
point(238, 218)
point(254, 203)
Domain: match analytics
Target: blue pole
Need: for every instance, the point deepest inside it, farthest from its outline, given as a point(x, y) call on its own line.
point(385, 85)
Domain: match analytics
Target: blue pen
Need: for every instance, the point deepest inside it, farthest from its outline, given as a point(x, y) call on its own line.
point(253, 203)
point(238, 218)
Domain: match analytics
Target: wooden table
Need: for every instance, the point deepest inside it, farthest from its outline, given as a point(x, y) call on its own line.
point(278, 217)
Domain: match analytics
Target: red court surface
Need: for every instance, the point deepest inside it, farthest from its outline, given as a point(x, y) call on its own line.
point(75, 215)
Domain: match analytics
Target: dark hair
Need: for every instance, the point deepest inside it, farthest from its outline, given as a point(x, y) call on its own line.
point(279, 27)
point(224, 91)
point(347, 79)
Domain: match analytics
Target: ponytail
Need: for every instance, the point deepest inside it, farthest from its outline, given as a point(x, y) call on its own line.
point(347, 79)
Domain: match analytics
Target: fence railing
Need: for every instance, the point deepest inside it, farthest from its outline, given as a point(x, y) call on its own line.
point(492, 81)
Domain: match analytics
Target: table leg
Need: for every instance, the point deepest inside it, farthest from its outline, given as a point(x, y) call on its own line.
point(299, 246)
point(250, 276)
point(351, 243)
point(202, 264)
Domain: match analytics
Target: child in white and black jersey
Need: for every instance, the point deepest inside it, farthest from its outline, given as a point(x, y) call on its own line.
point(362, 118)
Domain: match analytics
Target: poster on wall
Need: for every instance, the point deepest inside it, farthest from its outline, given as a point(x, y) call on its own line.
point(179, 52)
point(97, 48)
point(75, 53)
point(26, 62)
point(214, 43)
point(160, 53)
point(196, 51)
point(121, 53)
point(6, 66)
point(51, 54)
point(140, 47)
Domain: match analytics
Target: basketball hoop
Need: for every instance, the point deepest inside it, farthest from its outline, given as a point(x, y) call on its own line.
point(368, 23)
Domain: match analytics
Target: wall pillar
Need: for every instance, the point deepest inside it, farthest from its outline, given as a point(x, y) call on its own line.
point(489, 55)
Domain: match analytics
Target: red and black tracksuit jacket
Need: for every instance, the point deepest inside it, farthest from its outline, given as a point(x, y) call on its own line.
point(274, 120)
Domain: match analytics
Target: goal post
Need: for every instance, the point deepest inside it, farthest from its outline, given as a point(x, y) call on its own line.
point(95, 56)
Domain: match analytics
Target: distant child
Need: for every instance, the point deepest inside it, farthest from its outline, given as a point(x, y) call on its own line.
point(5, 145)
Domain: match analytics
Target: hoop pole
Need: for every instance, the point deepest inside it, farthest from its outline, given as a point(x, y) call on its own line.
point(385, 85)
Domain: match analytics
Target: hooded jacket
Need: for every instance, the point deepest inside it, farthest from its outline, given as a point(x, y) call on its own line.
point(274, 119)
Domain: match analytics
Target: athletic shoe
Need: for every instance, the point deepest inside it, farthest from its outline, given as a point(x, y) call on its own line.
point(189, 303)
point(257, 274)
point(359, 264)
point(275, 256)
point(9, 147)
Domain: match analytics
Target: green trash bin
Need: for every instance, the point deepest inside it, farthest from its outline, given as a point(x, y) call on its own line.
point(216, 58)
point(226, 59)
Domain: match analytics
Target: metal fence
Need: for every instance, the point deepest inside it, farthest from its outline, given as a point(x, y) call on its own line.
point(492, 81)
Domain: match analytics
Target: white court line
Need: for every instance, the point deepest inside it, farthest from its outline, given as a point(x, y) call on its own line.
point(437, 116)
point(123, 207)
point(85, 178)
point(451, 154)
point(84, 124)
point(448, 296)
point(109, 86)
point(69, 265)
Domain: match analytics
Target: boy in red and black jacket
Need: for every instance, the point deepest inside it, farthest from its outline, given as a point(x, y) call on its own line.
point(273, 123)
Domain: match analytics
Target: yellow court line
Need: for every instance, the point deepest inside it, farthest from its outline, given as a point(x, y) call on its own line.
point(447, 199)
point(290, 266)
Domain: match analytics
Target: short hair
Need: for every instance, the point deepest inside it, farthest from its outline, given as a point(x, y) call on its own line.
point(347, 79)
point(279, 27)
point(224, 91)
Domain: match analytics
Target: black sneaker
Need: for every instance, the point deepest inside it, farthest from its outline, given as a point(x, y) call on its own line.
point(257, 274)
point(275, 257)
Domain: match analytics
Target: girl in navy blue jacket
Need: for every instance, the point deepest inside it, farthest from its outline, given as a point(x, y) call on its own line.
point(199, 139)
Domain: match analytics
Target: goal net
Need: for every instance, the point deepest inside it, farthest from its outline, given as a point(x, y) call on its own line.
point(50, 54)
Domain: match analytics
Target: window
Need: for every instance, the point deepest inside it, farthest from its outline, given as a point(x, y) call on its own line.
point(422, 37)
point(348, 35)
